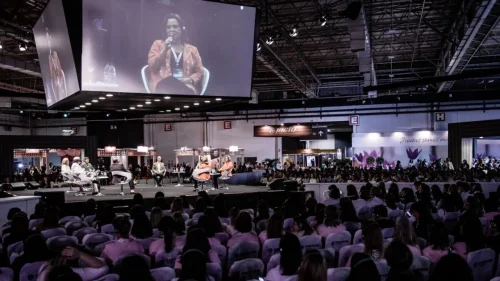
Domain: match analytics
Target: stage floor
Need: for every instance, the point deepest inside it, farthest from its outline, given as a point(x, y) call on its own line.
point(111, 192)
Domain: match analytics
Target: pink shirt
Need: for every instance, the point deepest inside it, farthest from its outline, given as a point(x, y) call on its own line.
point(275, 275)
point(415, 250)
point(212, 256)
point(112, 251)
point(461, 249)
point(327, 230)
point(263, 237)
point(214, 241)
point(247, 237)
point(434, 255)
point(158, 245)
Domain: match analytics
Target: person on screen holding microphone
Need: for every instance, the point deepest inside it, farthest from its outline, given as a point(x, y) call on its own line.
point(174, 57)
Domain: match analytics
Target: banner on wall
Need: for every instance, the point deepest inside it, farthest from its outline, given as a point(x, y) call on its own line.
point(283, 131)
point(399, 146)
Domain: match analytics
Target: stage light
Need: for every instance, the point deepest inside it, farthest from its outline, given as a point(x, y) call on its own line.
point(259, 47)
point(157, 99)
point(233, 148)
point(140, 105)
point(207, 101)
point(196, 103)
point(206, 148)
point(168, 110)
point(218, 99)
point(294, 32)
point(167, 97)
point(147, 102)
point(132, 107)
point(269, 40)
point(480, 137)
point(76, 107)
point(102, 98)
point(95, 100)
point(186, 106)
point(1, 45)
point(322, 20)
point(82, 106)
point(177, 108)
point(65, 115)
point(161, 111)
point(23, 47)
point(87, 103)
point(109, 95)
point(20, 166)
point(282, 124)
point(124, 109)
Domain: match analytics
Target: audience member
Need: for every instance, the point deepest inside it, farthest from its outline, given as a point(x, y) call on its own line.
point(142, 227)
point(134, 268)
point(301, 227)
point(290, 259)
point(331, 223)
point(439, 243)
point(313, 267)
point(155, 217)
point(451, 268)
point(124, 244)
point(333, 196)
point(399, 259)
point(194, 266)
point(471, 237)
point(380, 217)
point(274, 228)
point(196, 239)
point(244, 232)
point(403, 232)
point(50, 220)
point(363, 268)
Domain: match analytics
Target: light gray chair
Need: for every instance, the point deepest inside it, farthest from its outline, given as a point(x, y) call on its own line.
point(163, 274)
point(247, 269)
point(270, 247)
point(128, 177)
point(242, 251)
point(338, 274)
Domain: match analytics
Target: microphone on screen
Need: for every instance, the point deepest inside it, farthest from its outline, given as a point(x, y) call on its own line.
point(169, 40)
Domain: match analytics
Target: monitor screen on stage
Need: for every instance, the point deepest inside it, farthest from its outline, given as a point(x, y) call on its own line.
point(170, 47)
point(54, 54)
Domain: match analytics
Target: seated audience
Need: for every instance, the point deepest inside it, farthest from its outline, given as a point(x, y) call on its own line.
point(244, 231)
point(439, 243)
point(333, 196)
point(373, 241)
point(134, 268)
point(50, 220)
point(197, 240)
point(19, 230)
point(301, 227)
point(399, 259)
point(404, 233)
point(451, 268)
point(194, 268)
point(155, 217)
point(262, 211)
point(471, 238)
point(313, 267)
point(35, 250)
point(380, 217)
point(423, 219)
point(233, 214)
point(142, 227)
point(363, 268)
point(124, 244)
point(207, 225)
point(274, 228)
point(168, 227)
point(331, 223)
point(290, 259)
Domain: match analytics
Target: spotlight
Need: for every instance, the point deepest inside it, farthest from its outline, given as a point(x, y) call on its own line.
point(140, 105)
point(107, 115)
point(124, 109)
point(65, 115)
point(132, 107)
point(102, 98)
point(322, 20)
point(294, 32)
point(109, 95)
point(218, 99)
point(364, 101)
point(168, 110)
point(94, 100)
point(207, 101)
point(23, 47)
point(157, 100)
point(77, 107)
point(177, 108)
point(282, 124)
point(148, 102)
point(480, 137)
point(259, 47)
point(196, 103)
point(269, 40)
point(186, 106)
point(82, 106)
point(87, 103)
point(1, 45)
point(161, 111)
point(167, 97)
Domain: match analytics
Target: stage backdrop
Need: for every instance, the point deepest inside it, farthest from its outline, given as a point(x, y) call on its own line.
point(55, 55)
point(129, 46)
point(403, 146)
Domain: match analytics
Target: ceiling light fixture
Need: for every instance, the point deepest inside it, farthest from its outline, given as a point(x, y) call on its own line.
point(196, 103)
point(82, 106)
point(23, 47)
point(207, 101)
point(218, 99)
point(87, 103)
point(294, 32)
point(322, 20)
point(132, 107)
point(102, 98)
point(186, 106)
point(95, 100)
point(147, 102)
point(167, 97)
point(162, 111)
point(109, 95)
point(140, 105)
point(168, 110)
point(177, 108)
point(124, 109)
point(77, 107)
point(157, 99)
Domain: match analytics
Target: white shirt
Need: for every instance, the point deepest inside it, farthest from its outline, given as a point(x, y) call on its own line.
point(331, 201)
point(375, 201)
point(275, 275)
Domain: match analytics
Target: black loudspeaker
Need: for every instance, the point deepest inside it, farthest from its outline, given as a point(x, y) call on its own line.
point(277, 184)
point(17, 186)
point(6, 186)
point(291, 185)
point(32, 185)
point(52, 198)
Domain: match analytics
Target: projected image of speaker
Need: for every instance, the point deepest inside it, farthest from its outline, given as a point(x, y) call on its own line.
point(32, 185)
point(17, 186)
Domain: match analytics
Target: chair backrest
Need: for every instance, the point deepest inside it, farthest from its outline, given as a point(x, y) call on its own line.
point(395, 214)
point(338, 240)
point(329, 256)
point(450, 220)
point(146, 242)
point(484, 223)
point(67, 219)
point(74, 225)
point(214, 270)
point(242, 251)
point(274, 261)
point(223, 237)
point(196, 216)
point(29, 272)
point(221, 251)
point(17, 247)
point(481, 262)
point(495, 279)
point(422, 243)
point(91, 273)
point(287, 224)
point(89, 220)
point(365, 213)
point(310, 242)
point(163, 274)
point(108, 229)
point(352, 227)
point(167, 259)
point(422, 265)
point(261, 225)
point(117, 263)
point(338, 274)
point(93, 239)
point(247, 269)
point(53, 232)
point(35, 222)
point(109, 277)
point(59, 242)
point(383, 269)
point(270, 247)
point(347, 251)
point(358, 237)
point(122, 174)
point(388, 232)
point(6, 274)
point(80, 233)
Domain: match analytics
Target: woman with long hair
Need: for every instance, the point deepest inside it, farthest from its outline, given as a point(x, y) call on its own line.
point(451, 268)
point(290, 259)
point(313, 267)
point(244, 231)
point(439, 243)
point(363, 268)
point(274, 228)
point(373, 241)
point(301, 228)
point(155, 217)
point(134, 268)
point(168, 227)
point(399, 259)
point(142, 228)
point(197, 239)
point(404, 232)
point(174, 57)
point(471, 237)
point(123, 245)
point(347, 211)
point(331, 223)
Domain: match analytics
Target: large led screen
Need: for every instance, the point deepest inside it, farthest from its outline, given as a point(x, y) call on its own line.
point(54, 54)
point(188, 47)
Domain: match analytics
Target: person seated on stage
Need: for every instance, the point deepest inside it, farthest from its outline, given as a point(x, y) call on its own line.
point(66, 172)
point(227, 168)
point(201, 172)
point(158, 171)
point(85, 176)
point(116, 166)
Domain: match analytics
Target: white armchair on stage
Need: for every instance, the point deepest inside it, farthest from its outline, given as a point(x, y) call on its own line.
point(126, 175)
point(204, 82)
